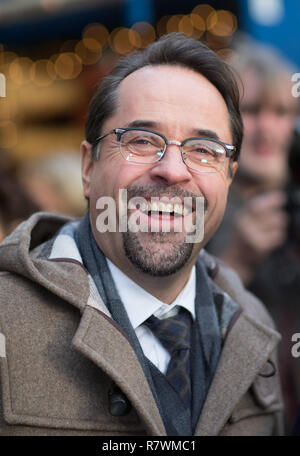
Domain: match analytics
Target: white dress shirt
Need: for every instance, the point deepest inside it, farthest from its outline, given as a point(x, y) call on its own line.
point(140, 305)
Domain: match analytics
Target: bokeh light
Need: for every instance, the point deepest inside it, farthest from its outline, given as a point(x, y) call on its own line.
point(222, 23)
point(20, 70)
point(185, 25)
point(68, 65)
point(203, 10)
point(96, 32)
point(198, 22)
point(88, 50)
point(124, 40)
point(173, 23)
point(43, 72)
point(146, 33)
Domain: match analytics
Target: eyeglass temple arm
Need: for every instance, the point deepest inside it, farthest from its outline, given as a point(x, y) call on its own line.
point(117, 131)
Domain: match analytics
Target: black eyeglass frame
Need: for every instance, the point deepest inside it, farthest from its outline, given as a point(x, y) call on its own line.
point(229, 149)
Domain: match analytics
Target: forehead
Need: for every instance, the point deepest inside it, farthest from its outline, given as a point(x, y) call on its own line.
point(176, 95)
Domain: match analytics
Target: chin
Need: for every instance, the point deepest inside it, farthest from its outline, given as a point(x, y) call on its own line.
point(158, 256)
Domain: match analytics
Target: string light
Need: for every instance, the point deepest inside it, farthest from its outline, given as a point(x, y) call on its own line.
point(145, 32)
point(97, 32)
point(68, 65)
point(222, 23)
point(88, 50)
point(203, 10)
point(198, 22)
point(124, 40)
point(185, 25)
point(173, 23)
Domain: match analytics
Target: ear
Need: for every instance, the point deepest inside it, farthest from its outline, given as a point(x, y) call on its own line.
point(87, 165)
point(233, 166)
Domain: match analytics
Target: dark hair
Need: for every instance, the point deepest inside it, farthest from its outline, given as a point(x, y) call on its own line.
point(171, 49)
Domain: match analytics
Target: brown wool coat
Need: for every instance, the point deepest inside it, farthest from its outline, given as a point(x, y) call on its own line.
point(60, 355)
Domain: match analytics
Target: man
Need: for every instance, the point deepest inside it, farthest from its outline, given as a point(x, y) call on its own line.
point(85, 310)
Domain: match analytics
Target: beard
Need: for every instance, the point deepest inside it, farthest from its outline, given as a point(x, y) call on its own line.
point(157, 253)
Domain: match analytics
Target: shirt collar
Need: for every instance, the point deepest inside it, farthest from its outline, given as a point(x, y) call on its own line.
point(140, 304)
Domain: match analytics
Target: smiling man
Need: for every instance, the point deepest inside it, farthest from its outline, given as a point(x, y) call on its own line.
point(139, 331)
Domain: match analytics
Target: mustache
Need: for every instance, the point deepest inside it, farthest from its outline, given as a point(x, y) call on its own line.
point(159, 190)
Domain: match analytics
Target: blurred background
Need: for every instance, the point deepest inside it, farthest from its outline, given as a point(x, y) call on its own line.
point(54, 54)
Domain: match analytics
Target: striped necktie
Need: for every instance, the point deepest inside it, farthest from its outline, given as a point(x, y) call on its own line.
point(175, 333)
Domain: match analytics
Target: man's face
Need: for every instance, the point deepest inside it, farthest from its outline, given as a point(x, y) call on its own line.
point(179, 103)
point(269, 113)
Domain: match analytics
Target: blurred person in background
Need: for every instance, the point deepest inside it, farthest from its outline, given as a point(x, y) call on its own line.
point(258, 236)
point(15, 204)
point(54, 183)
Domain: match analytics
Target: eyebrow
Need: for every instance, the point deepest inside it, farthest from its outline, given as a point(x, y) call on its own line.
point(198, 132)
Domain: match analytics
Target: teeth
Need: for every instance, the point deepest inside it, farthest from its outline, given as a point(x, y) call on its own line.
point(166, 207)
point(159, 206)
point(154, 207)
point(178, 208)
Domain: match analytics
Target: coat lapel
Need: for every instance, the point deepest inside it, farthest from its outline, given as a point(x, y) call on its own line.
point(101, 340)
point(246, 349)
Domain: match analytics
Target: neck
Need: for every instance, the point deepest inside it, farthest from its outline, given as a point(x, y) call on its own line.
point(165, 288)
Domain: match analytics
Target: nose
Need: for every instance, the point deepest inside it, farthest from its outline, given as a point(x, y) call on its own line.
point(171, 169)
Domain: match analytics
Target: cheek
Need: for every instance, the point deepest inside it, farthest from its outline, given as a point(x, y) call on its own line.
point(214, 188)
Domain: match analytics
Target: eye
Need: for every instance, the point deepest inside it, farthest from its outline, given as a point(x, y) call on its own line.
point(200, 149)
point(140, 141)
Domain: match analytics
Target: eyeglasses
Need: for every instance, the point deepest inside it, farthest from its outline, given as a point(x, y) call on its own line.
point(144, 146)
